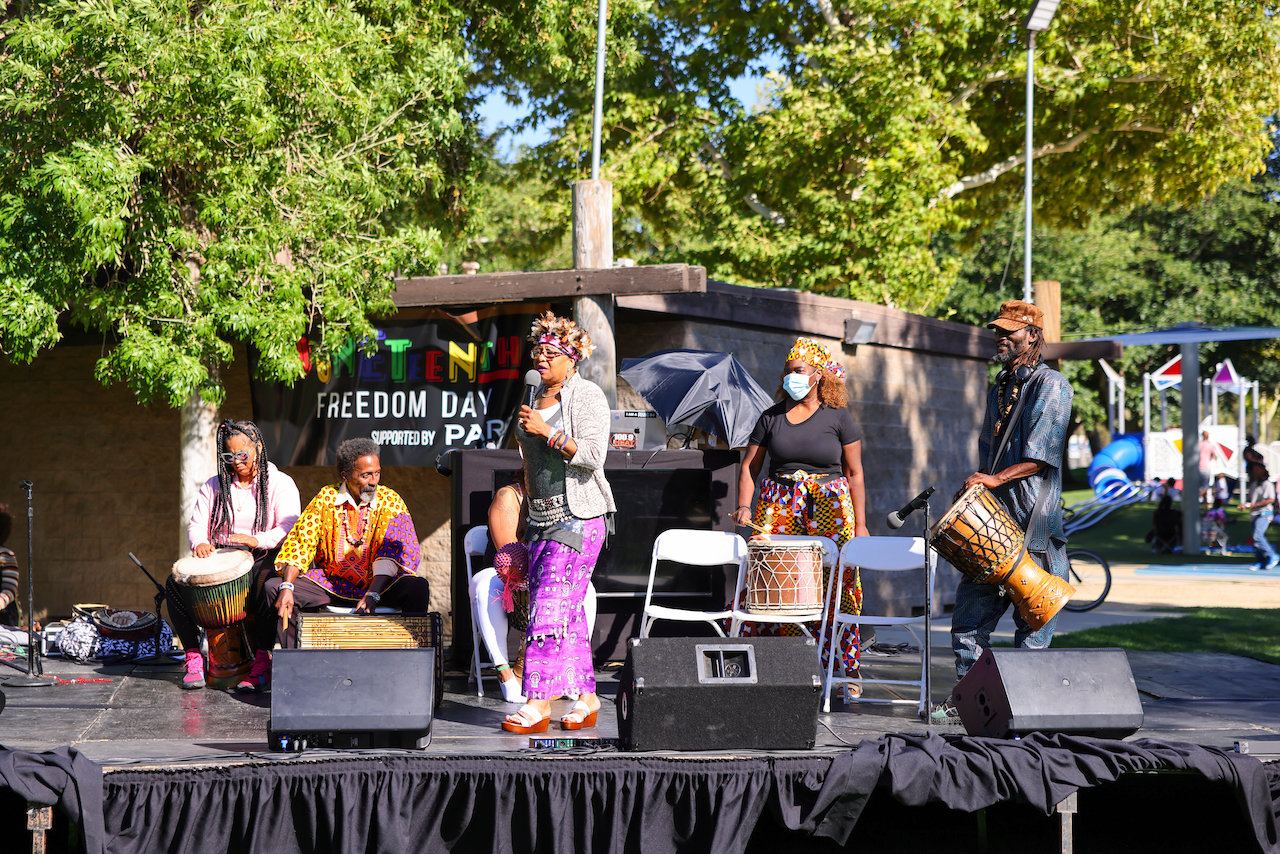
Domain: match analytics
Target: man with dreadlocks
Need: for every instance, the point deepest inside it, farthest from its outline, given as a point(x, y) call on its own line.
point(1028, 413)
point(248, 504)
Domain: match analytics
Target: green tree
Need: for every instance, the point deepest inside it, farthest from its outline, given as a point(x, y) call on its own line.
point(888, 123)
point(184, 175)
point(1216, 262)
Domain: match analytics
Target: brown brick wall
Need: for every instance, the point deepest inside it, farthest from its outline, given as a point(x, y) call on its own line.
point(105, 475)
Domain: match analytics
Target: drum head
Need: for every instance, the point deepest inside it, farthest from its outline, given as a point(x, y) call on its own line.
point(949, 518)
point(218, 568)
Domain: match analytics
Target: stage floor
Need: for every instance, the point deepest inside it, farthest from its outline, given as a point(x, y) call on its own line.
point(142, 718)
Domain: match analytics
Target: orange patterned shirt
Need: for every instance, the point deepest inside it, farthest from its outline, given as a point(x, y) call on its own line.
point(327, 552)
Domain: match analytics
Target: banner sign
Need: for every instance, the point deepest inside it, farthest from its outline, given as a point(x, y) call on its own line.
point(433, 384)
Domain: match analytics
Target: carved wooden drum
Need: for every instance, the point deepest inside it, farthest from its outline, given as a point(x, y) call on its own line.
point(979, 538)
point(215, 588)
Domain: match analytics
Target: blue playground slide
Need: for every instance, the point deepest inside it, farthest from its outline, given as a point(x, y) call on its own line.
point(1119, 463)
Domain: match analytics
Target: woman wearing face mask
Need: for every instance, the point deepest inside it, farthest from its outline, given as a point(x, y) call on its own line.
point(815, 483)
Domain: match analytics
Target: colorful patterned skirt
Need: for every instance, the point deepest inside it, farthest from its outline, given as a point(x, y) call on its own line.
point(557, 655)
point(819, 506)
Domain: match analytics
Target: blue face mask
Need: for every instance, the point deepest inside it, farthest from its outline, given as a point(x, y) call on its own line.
point(796, 385)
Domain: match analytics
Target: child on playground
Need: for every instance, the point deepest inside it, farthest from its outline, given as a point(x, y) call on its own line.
point(1261, 507)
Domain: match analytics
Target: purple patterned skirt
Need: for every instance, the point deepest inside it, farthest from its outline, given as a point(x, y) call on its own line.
point(557, 657)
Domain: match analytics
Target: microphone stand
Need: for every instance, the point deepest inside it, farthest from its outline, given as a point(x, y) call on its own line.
point(157, 658)
point(925, 713)
point(34, 677)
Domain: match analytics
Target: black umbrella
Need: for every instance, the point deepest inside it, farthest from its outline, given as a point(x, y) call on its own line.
point(710, 391)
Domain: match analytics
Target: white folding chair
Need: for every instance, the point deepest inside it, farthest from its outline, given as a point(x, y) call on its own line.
point(884, 554)
point(830, 554)
point(693, 548)
point(475, 545)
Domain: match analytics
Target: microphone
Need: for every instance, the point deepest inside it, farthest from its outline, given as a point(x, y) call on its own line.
point(897, 517)
point(25, 484)
point(532, 379)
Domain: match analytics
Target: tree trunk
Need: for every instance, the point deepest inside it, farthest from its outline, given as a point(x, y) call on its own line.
point(198, 454)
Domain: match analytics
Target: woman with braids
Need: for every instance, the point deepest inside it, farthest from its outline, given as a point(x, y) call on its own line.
point(564, 439)
point(249, 504)
point(815, 481)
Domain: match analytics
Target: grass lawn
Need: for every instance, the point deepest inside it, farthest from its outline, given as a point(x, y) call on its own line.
point(1252, 633)
point(1120, 537)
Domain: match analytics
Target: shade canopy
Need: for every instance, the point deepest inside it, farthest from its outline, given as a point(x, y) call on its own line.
point(1191, 333)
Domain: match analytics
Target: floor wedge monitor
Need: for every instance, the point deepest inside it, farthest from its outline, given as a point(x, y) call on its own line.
point(351, 698)
point(1011, 692)
point(719, 694)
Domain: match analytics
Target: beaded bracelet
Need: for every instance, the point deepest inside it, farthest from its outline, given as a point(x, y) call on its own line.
point(286, 585)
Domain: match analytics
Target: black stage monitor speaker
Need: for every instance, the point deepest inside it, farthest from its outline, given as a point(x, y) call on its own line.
point(1011, 692)
point(719, 694)
point(351, 698)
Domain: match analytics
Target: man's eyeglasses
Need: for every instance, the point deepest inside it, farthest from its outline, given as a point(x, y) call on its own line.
point(237, 457)
point(549, 352)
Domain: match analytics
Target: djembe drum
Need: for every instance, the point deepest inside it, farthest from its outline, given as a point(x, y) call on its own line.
point(215, 589)
point(783, 578)
point(979, 538)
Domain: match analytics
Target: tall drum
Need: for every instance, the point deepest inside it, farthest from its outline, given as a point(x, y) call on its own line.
point(979, 538)
point(215, 590)
point(783, 578)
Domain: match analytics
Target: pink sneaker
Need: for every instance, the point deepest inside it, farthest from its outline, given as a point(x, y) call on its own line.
point(194, 677)
point(259, 678)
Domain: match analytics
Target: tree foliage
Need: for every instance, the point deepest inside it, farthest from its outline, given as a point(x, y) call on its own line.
point(887, 123)
point(1217, 262)
point(182, 175)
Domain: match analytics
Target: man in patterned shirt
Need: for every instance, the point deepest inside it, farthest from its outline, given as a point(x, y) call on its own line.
point(1029, 465)
point(354, 546)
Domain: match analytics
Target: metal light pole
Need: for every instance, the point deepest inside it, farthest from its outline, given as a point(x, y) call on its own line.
point(596, 117)
point(1038, 19)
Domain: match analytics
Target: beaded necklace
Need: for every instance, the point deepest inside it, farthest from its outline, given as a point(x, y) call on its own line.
point(362, 515)
point(1010, 391)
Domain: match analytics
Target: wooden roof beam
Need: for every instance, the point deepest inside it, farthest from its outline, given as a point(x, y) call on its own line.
point(424, 291)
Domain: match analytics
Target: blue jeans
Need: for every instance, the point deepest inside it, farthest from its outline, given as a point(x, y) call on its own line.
point(1262, 549)
point(979, 608)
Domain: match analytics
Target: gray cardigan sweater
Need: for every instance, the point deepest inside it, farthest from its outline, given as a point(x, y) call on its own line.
point(585, 417)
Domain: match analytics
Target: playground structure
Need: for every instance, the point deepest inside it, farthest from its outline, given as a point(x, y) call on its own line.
point(1130, 468)
point(1157, 455)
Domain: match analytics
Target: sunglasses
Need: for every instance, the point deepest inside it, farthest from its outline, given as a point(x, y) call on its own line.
point(549, 352)
point(237, 457)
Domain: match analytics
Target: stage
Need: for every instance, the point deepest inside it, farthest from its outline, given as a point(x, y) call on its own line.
point(189, 771)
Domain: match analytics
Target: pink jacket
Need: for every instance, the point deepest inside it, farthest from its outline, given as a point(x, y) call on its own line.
point(283, 505)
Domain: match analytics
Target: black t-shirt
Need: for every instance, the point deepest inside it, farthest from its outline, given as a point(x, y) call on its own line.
point(814, 445)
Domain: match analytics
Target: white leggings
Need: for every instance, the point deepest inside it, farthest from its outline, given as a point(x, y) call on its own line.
point(491, 620)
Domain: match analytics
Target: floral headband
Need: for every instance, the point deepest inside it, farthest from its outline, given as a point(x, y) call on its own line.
point(810, 351)
point(556, 343)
